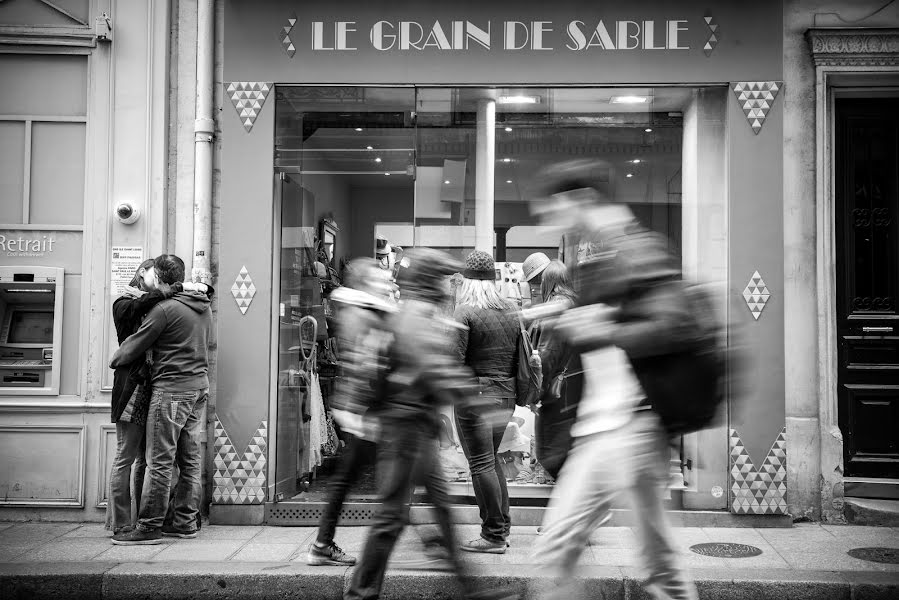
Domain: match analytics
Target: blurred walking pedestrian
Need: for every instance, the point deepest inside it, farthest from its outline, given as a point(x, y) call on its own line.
point(488, 345)
point(364, 338)
point(619, 443)
point(423, 374)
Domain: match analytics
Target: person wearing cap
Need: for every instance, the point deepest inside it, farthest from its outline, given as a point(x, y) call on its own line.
point(488, 345)
point(424, 373)
point(532, 271)
point(619, 444)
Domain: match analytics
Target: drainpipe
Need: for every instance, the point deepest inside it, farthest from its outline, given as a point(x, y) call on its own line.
point(204, 130)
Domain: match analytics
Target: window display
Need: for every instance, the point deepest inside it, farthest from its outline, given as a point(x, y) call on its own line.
point(367, 171)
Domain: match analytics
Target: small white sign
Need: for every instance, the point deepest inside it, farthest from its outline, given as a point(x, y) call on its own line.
point(124, 263)
point(717, 491)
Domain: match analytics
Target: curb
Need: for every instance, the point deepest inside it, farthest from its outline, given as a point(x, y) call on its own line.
point(251, 581)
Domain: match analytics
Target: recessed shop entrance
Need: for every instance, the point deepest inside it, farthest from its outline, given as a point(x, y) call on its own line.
point(437, 167)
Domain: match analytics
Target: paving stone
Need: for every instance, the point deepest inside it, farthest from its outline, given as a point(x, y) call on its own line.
point(123, 554)
point(199, 550)
point(284, 535)
point(34, 533)
point(90, 530)
point(229, 532)
point(257, 552)
point(65, 550)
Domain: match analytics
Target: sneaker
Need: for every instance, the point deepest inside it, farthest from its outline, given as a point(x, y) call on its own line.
point(138, 537)
point(485, 546)
point(329, 555)
point(169, 531)
point(123, 529)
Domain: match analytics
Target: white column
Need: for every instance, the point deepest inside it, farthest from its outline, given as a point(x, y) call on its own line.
point(486, 156)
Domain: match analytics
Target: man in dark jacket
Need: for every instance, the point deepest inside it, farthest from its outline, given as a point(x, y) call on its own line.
point(177, 330)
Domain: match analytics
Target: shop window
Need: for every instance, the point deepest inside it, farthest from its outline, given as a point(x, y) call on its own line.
point(433, 167)
point(43, 119)
point(57, 173)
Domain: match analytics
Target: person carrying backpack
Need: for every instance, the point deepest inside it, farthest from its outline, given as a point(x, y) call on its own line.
point(629, 309)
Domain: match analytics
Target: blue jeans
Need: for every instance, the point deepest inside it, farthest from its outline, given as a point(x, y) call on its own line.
point(481, 428)
point(173, 434)
point(129, 456)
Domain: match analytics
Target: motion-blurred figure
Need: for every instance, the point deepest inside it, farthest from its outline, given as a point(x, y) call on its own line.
point(562, 380)
point(488, 344)
point(619, 443)
point(364, 338)
point(423, 374)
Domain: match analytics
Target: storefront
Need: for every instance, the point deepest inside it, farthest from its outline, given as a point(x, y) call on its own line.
point(425, 125)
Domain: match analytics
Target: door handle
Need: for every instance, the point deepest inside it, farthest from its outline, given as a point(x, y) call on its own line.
point(877, 329)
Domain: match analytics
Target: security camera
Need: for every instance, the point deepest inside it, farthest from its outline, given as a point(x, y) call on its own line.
point(127, 213)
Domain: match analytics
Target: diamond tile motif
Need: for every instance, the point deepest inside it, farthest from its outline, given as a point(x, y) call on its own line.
point(286, 43)
point(712, 42)
point(756, 98)
point(239, 479)
point(248, 98)
point(763, 490)
point(243, 290)
point(756, 295)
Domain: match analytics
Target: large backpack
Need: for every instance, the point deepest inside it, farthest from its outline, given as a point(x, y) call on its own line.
point(529, 377)
point(686, 385)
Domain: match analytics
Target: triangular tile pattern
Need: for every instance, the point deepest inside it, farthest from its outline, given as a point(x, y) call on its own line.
point(756, 98)
point(756, 295)
point(712, 42)
point(286, 43)
point(239, 479)
point(248, 98)
point(758, 491)
point(243, 290)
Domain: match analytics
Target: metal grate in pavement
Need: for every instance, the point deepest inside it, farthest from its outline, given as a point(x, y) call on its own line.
point(726, 550)
point(888, 556)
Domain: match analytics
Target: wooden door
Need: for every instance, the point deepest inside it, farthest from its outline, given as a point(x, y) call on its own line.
point(867, 264)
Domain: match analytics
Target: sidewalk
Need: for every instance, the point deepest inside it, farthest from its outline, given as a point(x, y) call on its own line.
point(68, 560)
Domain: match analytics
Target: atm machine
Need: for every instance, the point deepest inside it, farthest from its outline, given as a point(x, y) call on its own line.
point(30, 330)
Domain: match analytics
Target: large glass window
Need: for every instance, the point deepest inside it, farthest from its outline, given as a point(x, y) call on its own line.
point(455, 169)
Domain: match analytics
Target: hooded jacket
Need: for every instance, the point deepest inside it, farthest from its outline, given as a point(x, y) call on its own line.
point(177, 330)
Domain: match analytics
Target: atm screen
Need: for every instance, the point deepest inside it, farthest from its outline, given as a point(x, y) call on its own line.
point(30, 327)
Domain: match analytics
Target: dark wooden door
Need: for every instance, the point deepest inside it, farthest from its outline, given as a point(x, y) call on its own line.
point(867, 263)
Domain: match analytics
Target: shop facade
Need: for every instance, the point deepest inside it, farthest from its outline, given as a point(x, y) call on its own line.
point(425, 125)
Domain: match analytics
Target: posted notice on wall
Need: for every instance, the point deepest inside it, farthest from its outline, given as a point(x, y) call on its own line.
point(124, 263)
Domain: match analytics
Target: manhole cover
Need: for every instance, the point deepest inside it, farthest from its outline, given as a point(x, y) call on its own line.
point(726, 550)
point(878, 555)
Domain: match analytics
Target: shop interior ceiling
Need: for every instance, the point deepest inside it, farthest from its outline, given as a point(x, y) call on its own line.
point(362, 134)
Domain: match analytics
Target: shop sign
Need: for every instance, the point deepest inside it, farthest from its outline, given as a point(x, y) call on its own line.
point(38, 244)
point(528, 42)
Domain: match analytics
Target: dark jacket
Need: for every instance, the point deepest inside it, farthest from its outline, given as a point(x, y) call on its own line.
point(424, 372)
point(127, 312)
point(559, 359)
point(178, 332)
point(489, 347)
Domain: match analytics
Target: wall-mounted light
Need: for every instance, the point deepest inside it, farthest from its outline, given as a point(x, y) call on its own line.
point(648, 130)
point(358, 129)
point(508, 129)
point(377, 160)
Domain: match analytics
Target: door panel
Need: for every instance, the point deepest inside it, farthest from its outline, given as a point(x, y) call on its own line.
point(867, 243)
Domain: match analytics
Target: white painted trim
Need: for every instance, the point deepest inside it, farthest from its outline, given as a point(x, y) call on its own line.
point(64, 404)
point(26, 182)
point(102, 470)
point(271, 443)
point(43, 118)
point(78, 500)
point(36, 227)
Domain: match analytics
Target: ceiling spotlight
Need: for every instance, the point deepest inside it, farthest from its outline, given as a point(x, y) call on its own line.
point(377, 160)
point(518, 100)
point(446, 182)
point(369, 148)
point(628, 100)
point(386, 174)
point(508, 129)
point(358, 129)
point(648, 130)
point(508, 181)
point(507, 160)
point(636, 161)
point(629, 175)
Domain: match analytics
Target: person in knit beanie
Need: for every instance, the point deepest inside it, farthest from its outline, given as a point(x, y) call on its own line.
point(488, 345)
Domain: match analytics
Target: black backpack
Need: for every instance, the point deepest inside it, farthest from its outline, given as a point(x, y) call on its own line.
point(687, 385)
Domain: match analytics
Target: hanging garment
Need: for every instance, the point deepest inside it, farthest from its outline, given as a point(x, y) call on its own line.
point(318, 425)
